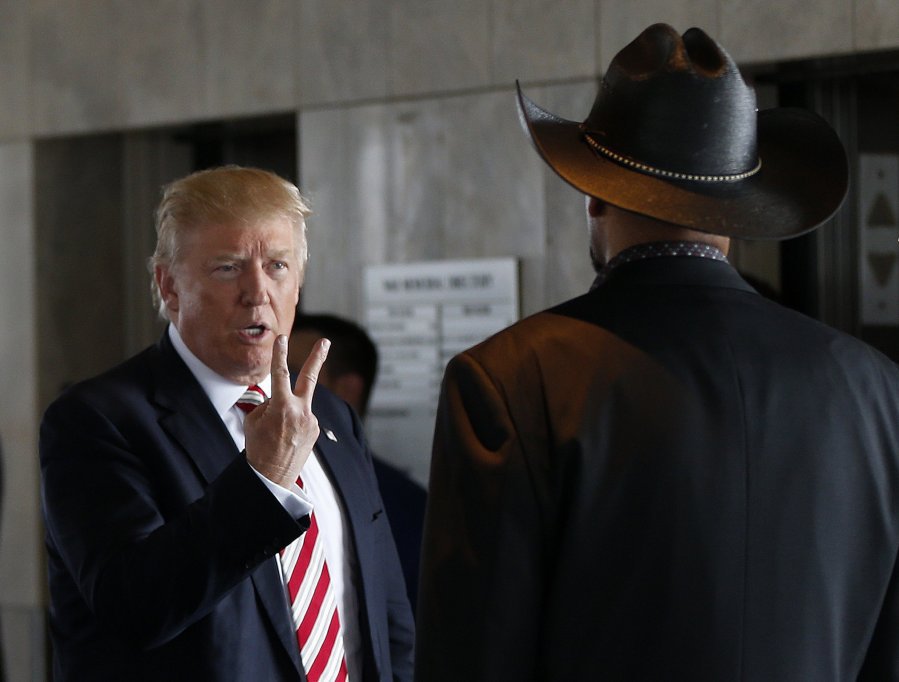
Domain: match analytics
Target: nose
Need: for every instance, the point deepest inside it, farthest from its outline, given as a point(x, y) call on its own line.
point(253, 287)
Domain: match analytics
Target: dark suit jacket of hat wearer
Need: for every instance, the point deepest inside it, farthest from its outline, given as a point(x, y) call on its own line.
point(162, 540)
point(669, 478)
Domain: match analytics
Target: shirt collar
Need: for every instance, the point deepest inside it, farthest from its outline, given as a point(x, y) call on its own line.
point(665, 249)
point(222, 392)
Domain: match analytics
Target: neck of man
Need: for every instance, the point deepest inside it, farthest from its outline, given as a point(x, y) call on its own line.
point(624, 229)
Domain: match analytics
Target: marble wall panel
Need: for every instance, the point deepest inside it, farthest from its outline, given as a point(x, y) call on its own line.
point(534, 40)
point(14, 77)
point(876, 24)
point(21, 577)
point(74, 50)
point(151, 159)
point(621, 22)
point(495, 200)
point(342, 51)
point(566, 262)
point(345, 173)
point(762, 31)
point(438, 46)
point(162, 62)
point(80, 246)
point(411, 181)
point(419, 171)
point(493, 186)
point(24, 648)
point(250, 55)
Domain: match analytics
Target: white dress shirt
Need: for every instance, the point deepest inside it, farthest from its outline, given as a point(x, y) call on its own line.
point(317, 493)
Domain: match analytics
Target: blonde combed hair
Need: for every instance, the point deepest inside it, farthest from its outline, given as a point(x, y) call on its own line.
point(226, 195)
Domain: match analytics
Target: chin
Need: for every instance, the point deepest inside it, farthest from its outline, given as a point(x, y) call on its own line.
point(256, 364)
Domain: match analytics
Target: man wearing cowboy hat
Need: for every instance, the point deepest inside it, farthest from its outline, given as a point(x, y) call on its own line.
point(670, 477)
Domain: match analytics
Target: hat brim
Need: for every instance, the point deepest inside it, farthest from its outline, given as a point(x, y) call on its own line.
point(802, 181)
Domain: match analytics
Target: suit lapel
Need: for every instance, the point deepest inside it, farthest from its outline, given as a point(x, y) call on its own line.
point(191, 421)
point(188, 417)
point(347, 475)
point(344, 461)
point(270, 587)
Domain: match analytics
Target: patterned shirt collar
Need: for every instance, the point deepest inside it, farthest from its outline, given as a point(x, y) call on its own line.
point(658, 250)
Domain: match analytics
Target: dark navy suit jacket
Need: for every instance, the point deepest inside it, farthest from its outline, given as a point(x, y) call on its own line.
point(162, 540)
point(404, 502)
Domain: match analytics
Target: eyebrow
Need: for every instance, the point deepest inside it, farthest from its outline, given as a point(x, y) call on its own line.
point(279, 254)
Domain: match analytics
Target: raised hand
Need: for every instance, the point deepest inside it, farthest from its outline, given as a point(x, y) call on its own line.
point(281, 432)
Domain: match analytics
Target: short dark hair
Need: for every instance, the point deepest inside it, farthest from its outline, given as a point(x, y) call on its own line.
point(352, 349)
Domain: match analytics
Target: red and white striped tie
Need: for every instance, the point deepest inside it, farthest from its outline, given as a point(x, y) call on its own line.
point(314, 607)
point(252, 398)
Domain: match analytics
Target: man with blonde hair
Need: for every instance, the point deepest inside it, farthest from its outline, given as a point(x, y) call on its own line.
point(205, 519)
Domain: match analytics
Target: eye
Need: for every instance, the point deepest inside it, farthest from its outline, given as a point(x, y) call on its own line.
point(279, 265)
point(225, 270)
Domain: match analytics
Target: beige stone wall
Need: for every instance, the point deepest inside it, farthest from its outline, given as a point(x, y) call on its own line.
point(73, 66)
point(21, 576)
point(409, 145)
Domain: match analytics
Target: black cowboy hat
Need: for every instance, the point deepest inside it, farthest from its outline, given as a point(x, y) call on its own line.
point(674, 134)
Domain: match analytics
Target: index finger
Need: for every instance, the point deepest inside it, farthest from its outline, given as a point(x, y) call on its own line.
point(280, 373)
point(308, 377)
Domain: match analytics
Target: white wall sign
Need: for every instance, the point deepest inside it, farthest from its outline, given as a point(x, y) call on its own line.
point(878, 222)
point(420, 315)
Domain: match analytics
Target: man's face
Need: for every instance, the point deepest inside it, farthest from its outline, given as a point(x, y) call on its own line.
point(233, 290)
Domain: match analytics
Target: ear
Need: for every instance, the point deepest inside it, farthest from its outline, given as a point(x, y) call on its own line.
point(166, 283)
point(349, 386)
point(594, 206)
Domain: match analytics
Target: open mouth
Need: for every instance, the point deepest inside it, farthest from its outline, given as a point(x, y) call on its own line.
point(255, 330)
